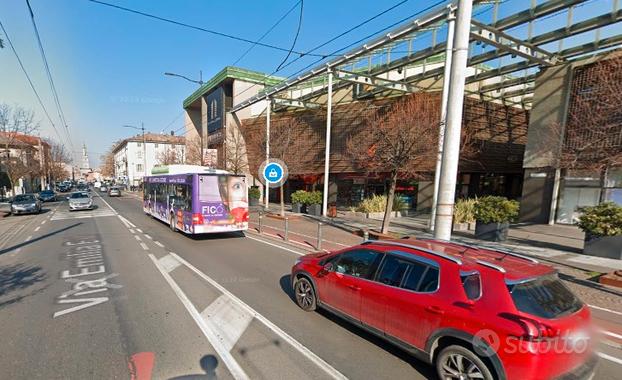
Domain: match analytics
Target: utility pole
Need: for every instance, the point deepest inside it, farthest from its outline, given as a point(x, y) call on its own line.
point(455, 101)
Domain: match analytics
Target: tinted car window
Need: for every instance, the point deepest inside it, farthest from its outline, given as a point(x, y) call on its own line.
point(79, 195)
point(546, 297)
point(472, 286)
point(430, 280)
point(24, 198)
point(414, 276)
point(358, 263)
point(393, 270)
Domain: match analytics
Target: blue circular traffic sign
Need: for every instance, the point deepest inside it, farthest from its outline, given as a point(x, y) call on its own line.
point(273, 172)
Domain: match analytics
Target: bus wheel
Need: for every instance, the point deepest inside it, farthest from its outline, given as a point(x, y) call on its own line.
point(173, 223)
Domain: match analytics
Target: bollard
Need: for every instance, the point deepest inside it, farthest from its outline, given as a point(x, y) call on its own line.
point(260, 218)
point(365, 235)
point(319, 235)
point(286, 235)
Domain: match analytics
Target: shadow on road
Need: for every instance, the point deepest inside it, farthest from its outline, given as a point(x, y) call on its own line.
point(9, 249)
point(423, 368)
point(208, 363)
point(17, 277)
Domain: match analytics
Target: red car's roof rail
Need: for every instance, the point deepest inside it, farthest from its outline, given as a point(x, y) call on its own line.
point(513, 254)
point(491, 265)
point(397, 244)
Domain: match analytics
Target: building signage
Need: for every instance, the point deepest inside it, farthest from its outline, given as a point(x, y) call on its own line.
point(215, 108)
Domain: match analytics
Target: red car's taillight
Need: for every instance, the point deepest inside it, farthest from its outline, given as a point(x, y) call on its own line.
point(533, 330)
point(197, 219)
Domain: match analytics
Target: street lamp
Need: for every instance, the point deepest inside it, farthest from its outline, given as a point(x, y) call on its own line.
point(142, 128)
point(199, 82)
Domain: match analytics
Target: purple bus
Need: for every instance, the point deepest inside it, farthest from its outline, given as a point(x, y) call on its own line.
point(196, 200)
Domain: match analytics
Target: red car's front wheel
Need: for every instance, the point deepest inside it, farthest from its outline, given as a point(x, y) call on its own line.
point(305, 294)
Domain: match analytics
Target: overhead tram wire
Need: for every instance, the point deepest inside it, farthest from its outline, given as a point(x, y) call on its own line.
point(302, 3)
point(267, 32)
point(354, 43)
point(32, 86)
point(61, 114)
point(214, 32)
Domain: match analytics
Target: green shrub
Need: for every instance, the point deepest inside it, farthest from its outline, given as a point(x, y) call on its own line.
point(254, 193)
point(492, 209)
point(300, 196)
point(314, 198)
point(602, 220)
point(377, 203)
point(464, 211)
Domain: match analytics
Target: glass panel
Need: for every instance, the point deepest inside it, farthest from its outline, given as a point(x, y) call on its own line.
point(546, 297)
point(359, 263)
point(430, 281)
point(392, 271)
point(414, 276)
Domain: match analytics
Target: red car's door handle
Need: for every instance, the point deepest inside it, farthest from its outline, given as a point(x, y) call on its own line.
point(435, 310)
point(354, 287)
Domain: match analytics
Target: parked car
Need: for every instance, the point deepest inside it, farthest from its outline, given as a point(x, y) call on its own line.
point(103, 188)
point(114, 192)
point(25, 204)
point(80, 200)
point(47, 196)
point(472, 312)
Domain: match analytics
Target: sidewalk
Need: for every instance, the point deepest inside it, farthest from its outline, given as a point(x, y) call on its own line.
point(558, 244)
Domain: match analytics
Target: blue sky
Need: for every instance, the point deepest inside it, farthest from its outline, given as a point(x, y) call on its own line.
point(108, 65)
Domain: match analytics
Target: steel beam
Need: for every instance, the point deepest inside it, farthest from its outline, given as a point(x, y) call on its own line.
point(505, 83)
point(362, 78)
point(491, 36)
point(295, 103)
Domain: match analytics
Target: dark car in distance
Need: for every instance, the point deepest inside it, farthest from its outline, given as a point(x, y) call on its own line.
point(47, 196)
point(25, 204)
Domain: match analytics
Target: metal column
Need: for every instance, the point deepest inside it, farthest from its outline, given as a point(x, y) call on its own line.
point(267, 187)
point(451, 146)
point(329, 110)
point(451, 20)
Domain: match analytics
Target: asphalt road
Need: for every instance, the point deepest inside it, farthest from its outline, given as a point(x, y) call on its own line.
point(113, 293)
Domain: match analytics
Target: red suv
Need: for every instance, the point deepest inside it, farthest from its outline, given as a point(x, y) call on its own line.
point(474, 313)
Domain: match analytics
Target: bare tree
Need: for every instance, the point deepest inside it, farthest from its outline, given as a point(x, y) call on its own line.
point(399, 139)
point(170, 156)
point(282, 147)
point(16, 125)
point(592, 136)
point(194, 152)
point(235, 152)
point(57, 159)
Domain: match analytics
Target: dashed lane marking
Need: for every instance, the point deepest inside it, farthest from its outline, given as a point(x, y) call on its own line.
point(148, 237)
point(159, 244)
point(29, 238)
point(139, 230)
point(612, 334)
point(144, 246)
point(38, 228)
point(605, 309)
point(234, 367)
point(137, 237)
point(43, 222)
point(131, 231)
point(609, 357)
point(276, 245)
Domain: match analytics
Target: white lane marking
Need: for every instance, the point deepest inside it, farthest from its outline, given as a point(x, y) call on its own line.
point(139, 230)
point(330, 370)
point(604, 309)
point(148, 237)
point(126, 221)
point(276, 245)
point(137, 237)
point(168, 263)
point(159, 244)
point(38, 228)
point(612, 334)
point(610, 358)
point(131, 230)
point(29, 238)
point(43, 222)
point(227, 319)
point(236, 370)
point(144, 246)
point(107, 204)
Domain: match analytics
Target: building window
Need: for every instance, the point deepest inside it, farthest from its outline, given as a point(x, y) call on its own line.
point(156, 146)
point(138, 144)
point(139, 167)
point(139, 154)
point(173, 146)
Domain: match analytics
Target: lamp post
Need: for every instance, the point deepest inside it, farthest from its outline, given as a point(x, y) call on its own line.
point(142, 129)
point(199, 82)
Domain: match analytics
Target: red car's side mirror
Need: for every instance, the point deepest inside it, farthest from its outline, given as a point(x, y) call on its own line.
point(328, 267)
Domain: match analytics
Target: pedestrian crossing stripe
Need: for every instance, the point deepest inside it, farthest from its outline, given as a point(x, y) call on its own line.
point(82, 214)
